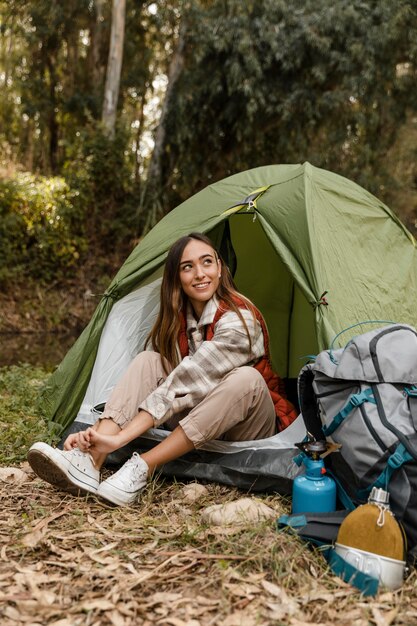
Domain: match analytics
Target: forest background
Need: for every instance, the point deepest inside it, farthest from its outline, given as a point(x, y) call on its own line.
point(114, 112)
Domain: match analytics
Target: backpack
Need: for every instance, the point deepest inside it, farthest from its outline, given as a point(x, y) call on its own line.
point(364, 397)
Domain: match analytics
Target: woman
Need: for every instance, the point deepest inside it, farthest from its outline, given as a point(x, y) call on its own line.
point(208, 376)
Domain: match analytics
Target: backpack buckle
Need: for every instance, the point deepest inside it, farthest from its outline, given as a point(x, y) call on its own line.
point(396, 460)
point(359, 398)
point(356, 400)
point(410, 391)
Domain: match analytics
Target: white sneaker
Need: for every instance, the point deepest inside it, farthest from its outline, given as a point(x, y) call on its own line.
point(72, 470)
point(124, 486)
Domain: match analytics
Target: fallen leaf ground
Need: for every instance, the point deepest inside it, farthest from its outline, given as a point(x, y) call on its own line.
point(67, 561)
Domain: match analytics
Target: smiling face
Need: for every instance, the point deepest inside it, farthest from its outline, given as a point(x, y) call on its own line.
point(199, 273)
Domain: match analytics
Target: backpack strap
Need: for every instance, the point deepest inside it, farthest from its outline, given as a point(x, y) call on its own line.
point(321, 529)
point(354, 401)
point(395, 461)
point(317, 528)
point(411, 393)
point(365, 583)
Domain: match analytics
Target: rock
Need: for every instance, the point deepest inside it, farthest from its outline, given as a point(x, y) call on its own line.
point(243, 511)
point(193, 492)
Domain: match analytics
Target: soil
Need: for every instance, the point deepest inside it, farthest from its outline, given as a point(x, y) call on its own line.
point(36, 309)
point(39, 322)
point(62, 306)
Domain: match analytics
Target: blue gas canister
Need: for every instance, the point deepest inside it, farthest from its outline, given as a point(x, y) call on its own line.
point(313, 492)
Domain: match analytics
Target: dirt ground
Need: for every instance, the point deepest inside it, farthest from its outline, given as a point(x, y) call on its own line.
point(32, 308)
point(67, 561)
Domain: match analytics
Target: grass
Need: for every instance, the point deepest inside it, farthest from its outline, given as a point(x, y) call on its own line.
point(68, 561)
point(20, 422)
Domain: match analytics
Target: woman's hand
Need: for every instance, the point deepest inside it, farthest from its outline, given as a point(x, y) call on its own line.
point(92, 441)
point(101, 443)
point(74, 441)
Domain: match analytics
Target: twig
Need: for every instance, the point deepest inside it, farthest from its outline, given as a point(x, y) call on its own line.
point(201, 555)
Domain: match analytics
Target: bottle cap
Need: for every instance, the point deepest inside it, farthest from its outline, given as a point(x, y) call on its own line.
point(379, 496)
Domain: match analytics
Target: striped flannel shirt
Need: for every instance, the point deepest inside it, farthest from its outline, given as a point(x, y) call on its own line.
point(208, 361)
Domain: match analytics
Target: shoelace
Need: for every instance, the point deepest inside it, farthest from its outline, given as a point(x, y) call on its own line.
point(77, 453)
point(137, 471)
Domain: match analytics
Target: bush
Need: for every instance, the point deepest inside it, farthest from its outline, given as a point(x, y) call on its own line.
point(41, 227)
point(99, 168)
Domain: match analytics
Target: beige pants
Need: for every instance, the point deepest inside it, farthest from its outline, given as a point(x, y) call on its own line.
point(238, 409)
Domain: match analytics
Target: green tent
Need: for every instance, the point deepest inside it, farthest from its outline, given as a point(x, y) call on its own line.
point(292, 233)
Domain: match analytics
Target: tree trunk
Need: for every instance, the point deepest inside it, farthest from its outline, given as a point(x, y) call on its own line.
point(154, 177)
point(152, 204)
point(141, 119)
point(6, 55)
point(72, 61)
point(27, 145)
point(114, 66)
point(96, 61)
point(52, 117)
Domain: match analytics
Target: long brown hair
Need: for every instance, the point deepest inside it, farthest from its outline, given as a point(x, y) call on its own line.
point(165, 332)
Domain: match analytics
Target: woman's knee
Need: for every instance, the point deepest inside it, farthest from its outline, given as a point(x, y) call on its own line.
point(144, 361)
point(245, 376)
point(145, 357)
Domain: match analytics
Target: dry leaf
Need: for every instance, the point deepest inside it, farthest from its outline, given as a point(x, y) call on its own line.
point(286, 606)
point(162, 597)
point(248, 578)
point(25, 467)
point(277, 611)
point(13, 475)
point(207, 601)
point(242, 590)
point(388, 596)
point(240, 618)
point(171, 621)
point(67, 622)
point(100, 604)
point(274, 590)
point(32, 539)
point(390, 616)
point(116, 618)
point(384, 619)
point(12, 613)
point(46, 598)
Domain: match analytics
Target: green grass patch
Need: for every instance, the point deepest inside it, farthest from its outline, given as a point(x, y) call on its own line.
point(20, 420)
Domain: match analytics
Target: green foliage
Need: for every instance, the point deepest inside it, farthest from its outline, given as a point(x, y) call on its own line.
point(20, 422)
point(41, 226)
point(270, 81)
point(99, 169)
point(284, 82)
